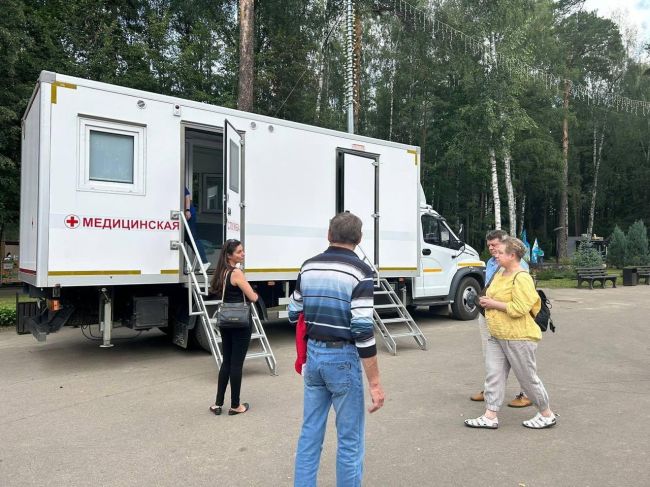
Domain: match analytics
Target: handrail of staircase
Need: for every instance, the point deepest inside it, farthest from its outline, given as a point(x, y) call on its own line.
point(192, 275)
point(370, 263)
point(180, 215)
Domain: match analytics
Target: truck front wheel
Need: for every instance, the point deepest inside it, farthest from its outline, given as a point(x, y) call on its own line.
point(463, 307)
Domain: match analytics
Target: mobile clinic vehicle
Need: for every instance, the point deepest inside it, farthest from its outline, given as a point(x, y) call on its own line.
point(102, 227)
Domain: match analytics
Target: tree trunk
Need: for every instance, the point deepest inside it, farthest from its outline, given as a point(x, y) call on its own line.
point(246, 38)
point(495, 190)
point(563, 232)
point(512, 203)
point(597, 157)
point(523, 211)
point(320, 56)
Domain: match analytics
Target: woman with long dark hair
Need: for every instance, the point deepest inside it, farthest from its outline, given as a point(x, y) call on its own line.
point(230, 281)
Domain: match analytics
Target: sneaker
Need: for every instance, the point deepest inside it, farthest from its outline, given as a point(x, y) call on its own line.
point(540, 422)
point(520, 401)
point(478, 397)
point(482, 422)
point(206, 266)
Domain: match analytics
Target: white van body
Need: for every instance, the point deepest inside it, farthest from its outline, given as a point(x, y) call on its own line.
point(105, 167)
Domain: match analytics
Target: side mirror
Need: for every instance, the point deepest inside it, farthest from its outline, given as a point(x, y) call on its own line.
point(460, 232)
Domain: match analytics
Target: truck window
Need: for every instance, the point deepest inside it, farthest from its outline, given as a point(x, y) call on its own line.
point(234, 167)
point(111, 156)
point(431, 227)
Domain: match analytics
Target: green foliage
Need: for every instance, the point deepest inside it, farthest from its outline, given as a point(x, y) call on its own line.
point(415, 88)
point(7, 315)
point(617, 247)
point(636, 252)
point(586, 255)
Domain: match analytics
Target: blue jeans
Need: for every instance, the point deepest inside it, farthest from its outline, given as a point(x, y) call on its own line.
point(195, 234)
point(332, 377)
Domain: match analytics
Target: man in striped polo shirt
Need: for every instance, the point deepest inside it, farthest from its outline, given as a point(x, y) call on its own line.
point(335, 292)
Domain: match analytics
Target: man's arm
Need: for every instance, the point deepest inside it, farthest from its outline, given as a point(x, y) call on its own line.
point(371, 368)
point(362, 328)
point(295, 303)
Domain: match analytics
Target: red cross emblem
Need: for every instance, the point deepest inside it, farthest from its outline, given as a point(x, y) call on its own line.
point(71, 221)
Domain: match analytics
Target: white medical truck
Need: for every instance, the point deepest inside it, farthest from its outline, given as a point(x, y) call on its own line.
point(102, 226)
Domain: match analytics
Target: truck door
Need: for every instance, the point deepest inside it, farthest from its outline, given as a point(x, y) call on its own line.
point(357, 186)
point(438, 266)
point(233, 169)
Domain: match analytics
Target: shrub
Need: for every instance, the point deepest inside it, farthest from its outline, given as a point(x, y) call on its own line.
point(586, 255)
point(7, 316)
point(616, 248)
point(545, 275)
point(636, 252)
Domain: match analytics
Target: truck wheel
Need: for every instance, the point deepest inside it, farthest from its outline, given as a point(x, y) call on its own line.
point(200, 338)
point(463, 307)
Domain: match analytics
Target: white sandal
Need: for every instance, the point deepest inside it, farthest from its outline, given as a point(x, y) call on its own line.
point(540, 422)
point(482, 422)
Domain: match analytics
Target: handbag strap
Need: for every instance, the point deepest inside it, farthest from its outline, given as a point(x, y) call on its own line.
point(226, 281)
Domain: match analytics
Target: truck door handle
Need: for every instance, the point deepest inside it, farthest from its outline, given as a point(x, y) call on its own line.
point(426, 251)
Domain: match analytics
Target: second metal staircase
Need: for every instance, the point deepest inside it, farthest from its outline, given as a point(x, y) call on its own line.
point(403, 319)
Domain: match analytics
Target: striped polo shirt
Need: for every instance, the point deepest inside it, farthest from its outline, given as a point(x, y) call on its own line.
point(335, 292)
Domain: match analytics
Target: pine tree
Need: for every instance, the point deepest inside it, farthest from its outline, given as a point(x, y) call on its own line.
point(637, 244)
point(616, 248)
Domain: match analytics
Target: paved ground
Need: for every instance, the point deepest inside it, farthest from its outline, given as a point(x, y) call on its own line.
point(72, 414)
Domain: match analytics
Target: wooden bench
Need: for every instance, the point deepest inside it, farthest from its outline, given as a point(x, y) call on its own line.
point(643, 271)
point(592, 274)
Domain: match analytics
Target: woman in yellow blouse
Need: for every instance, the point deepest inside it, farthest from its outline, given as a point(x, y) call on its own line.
point(510, 304)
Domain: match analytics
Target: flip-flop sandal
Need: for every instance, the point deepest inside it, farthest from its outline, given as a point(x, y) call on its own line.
point(232, 412)
point(482, 422)
point(216, 410)
point(540, 422)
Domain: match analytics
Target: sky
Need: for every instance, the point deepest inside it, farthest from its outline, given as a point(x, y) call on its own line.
point(636, 13)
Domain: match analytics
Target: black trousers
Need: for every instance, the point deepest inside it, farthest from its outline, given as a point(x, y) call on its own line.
point(235, 344)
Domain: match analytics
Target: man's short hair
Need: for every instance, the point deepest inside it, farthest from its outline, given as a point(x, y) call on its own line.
point(496, 235)
point(345, 228)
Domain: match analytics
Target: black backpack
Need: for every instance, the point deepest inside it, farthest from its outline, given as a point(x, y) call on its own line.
point(543, 317)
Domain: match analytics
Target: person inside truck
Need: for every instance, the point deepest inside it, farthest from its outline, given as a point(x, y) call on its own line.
point(230, 283)
point(190, 216)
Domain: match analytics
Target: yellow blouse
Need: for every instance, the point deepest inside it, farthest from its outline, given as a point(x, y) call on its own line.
point(516, 323)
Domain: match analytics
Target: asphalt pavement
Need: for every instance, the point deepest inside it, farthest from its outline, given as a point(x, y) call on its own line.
point(74, 414)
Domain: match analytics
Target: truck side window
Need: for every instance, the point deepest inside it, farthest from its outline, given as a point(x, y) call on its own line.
point(435, 231)
point(430, 230)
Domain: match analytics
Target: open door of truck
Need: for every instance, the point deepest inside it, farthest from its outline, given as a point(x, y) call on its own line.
point(232, 168)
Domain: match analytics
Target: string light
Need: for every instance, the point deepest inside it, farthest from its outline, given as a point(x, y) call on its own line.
point(447, 34)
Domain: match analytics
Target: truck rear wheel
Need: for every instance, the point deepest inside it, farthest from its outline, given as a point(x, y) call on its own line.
point(463, 307)
point(200, 337)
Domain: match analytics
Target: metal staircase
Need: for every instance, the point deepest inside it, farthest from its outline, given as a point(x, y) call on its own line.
point(198, 305)
point(408, 326)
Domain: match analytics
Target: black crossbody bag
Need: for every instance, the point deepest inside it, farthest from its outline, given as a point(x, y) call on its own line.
point(233, 315)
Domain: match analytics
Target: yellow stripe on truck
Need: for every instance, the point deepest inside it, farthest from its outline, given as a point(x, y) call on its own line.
point(95, 273)
point(471, 264)
point(57, 84)
point(415, 153)
point(433, 270)
point(273, 270)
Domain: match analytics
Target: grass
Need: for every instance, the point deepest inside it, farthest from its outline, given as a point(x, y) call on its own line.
point(565, 282)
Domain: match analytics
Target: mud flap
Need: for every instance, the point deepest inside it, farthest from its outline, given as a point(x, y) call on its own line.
point(48, 322)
